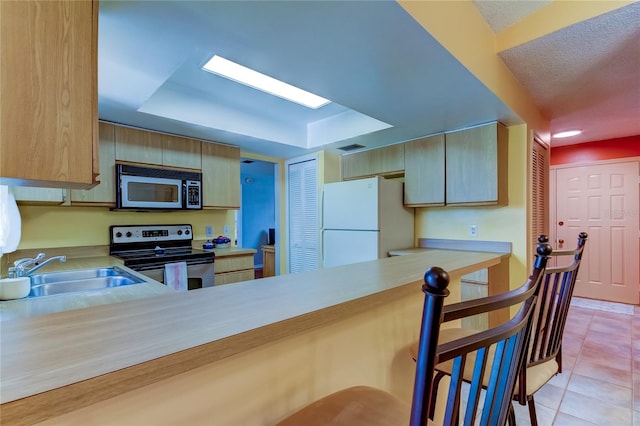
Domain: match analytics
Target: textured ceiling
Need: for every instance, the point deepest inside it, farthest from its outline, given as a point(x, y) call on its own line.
point(501, 14)
point(585, 76)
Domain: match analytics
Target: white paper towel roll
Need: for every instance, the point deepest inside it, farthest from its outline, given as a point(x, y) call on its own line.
point(14, 288)
point(10, 222)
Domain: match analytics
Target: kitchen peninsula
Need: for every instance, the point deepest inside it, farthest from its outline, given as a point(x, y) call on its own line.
point(247, 353)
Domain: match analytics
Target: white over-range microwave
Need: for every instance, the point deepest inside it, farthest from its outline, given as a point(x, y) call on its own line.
point(146, 188)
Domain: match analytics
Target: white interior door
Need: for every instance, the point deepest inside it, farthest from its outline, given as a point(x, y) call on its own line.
point(601, 200)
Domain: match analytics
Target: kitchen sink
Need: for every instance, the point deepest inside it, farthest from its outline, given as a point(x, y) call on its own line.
point(80, 280)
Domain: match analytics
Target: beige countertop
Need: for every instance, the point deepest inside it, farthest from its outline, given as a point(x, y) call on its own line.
point(222, 252)
point(59, 362)
point(403, 252)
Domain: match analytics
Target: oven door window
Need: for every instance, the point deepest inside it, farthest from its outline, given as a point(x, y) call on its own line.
point(151, 192)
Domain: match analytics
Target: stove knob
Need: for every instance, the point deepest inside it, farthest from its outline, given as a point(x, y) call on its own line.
point(186, 231)
point(179, 231)
point(118, 234)
point(129, 234)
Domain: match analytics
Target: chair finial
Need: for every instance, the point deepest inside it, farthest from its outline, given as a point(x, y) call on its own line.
point(543, 239)
point(544, 248)
point(436, 280)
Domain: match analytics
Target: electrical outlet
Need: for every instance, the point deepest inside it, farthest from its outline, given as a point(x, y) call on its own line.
point(473, 230)
point(209, 231)
point(225, 231)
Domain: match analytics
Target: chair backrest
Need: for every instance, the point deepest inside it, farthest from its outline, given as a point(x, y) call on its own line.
point(509, 340)
point(554, 298)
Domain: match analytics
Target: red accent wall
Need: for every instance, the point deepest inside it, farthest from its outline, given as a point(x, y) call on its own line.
point(594, 151)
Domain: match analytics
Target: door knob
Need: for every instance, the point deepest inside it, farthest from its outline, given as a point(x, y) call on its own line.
point(560, 223)
point(560, 241)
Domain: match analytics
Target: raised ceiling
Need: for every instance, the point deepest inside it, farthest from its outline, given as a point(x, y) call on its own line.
point(389, 80)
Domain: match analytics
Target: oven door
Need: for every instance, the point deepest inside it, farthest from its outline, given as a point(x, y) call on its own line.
point(198, 276)
point(150, 192)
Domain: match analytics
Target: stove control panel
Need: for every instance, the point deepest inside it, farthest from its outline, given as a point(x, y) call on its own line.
point(142, 233)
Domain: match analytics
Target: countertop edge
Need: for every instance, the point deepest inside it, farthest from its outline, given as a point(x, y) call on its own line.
point(65, 397)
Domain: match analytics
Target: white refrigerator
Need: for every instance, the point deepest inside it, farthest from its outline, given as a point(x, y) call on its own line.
point(363, 220)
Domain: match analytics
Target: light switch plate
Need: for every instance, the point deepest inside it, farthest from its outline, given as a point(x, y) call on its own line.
point(225, 231)
point(209, 231)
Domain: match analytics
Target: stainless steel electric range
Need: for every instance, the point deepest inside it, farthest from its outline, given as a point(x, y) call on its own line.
point(147, 248)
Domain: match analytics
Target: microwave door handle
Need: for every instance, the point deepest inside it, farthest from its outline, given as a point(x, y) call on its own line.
point(185, 194)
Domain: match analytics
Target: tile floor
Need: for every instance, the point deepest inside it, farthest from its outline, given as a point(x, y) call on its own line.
point(600, 382)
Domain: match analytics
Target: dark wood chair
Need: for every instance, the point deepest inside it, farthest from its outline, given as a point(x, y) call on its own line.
point(544, 357)
point(362, 405)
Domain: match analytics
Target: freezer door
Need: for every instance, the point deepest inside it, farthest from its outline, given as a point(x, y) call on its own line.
point(351, 205)
point(346, 247)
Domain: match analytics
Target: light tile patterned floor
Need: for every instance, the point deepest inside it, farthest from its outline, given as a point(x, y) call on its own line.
point(600, 382)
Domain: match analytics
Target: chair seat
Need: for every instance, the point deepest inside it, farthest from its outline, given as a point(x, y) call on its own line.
point(358, 405)
point(537, 375)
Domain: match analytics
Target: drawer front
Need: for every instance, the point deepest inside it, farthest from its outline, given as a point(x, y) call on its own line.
point(233, 263)
point(234, 277)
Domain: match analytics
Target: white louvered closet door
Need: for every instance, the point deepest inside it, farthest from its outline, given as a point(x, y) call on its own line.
point(303, 216)
point(539, 192)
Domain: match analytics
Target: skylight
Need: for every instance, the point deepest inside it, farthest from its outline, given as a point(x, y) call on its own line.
point(247, 76)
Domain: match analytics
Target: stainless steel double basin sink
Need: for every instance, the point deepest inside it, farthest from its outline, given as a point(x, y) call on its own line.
point(80, 280)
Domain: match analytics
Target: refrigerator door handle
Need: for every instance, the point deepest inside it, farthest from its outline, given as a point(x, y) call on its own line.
point(322, 210)
point(322, 255)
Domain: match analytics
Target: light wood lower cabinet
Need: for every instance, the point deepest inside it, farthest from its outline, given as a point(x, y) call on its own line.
point(231, 269)
point(268, 261)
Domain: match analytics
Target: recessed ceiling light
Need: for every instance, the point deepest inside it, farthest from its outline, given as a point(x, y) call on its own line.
point(247, 76)
point(567, 134)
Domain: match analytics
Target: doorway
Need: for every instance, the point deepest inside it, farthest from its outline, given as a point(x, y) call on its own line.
point(258, 208)
point(602, 200)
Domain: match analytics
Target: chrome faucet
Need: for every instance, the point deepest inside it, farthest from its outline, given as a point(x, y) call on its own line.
point(20, 266)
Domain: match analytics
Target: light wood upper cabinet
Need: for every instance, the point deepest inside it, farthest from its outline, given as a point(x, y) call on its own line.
point(138, 146)
point(356, 165)
point(387, 160)
point(49, 103)
point(181, 152)
point(105, 192)
point(476, 166)
point(33, 195)
point(424, 180)
point(220, 176)
point(148, 147)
